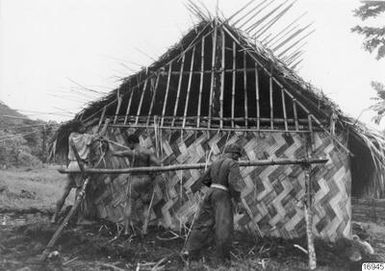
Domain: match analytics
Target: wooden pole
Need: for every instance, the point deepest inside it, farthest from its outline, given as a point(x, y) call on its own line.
point(228, 70)
point(309, 212)
point(201, 82)
point(271, 103)
point(197, 166)
point(119, 98)
point(178, 92)
point(284, 109)
point(74, 207)
point(60, 229)
point(141, 101)
point(129, 106)
point(189, 87)
point(233, 86)
point(153, 100)
point(310, 123)
point(102, 118)
point(222, 78)
point(257, 95)
point(245, 88)
point(215, 129)
point(167, 91)
point(311, 129)
point(276, 81)
point(295, 114)
point(213, 68)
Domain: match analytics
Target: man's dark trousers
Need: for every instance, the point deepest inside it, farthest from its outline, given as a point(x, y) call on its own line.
point(215, 216)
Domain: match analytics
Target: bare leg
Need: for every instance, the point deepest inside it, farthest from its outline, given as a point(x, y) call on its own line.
point(60, 202)
point(128, 211)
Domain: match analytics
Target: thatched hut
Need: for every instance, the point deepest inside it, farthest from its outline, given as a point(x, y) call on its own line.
point(216, 87)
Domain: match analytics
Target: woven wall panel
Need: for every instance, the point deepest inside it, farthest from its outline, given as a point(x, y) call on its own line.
point(273, 193)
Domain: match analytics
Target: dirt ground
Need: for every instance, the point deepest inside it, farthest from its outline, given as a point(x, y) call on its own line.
point(26, 202)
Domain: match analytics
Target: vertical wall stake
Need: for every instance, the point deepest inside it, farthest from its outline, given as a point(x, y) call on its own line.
point(153, 99)
point(233, 85)
point(102, 117)
point(166, 95)
point(141, 101)
point(201, 81)
point(257, 95)
point(271, 103)
point(129, 106)
point(295, 114)
point(245, 88)
point(119, 99)
point(284, 109)
point(222, 78)
point(189, 87)
point(213, 70)
point(179, 87)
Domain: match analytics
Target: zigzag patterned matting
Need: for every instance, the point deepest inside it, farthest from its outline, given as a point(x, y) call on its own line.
point(273, 193)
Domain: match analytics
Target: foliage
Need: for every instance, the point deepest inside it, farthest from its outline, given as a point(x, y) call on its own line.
point(379, 106)
point(374, 41)
point(374, 36)
point(23, 142)
point(10, 148)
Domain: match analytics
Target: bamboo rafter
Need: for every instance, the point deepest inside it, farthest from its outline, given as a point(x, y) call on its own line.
point(201, 81)
point(167, 91)
point(213, 72)
point(153, 99)
point(189, 87)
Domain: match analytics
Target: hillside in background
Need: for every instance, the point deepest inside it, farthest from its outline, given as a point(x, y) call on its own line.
point(10, 117)
point(23, 142)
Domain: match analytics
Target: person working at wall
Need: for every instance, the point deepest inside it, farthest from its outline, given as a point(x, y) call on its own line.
point(216, 212)
point(82, 142)
point(139, 184)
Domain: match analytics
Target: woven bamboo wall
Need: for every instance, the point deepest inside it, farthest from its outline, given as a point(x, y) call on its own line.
point(273, 193)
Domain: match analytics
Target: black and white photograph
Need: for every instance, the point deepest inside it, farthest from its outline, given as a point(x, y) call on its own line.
point(192, 135)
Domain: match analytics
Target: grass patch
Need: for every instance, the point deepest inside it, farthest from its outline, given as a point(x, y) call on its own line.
point(31, 188)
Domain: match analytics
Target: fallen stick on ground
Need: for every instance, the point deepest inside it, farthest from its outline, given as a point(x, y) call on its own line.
point(70, 261)
point(113, 267)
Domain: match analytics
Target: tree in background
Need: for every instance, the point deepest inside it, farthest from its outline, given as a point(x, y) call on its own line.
point(374, 42)
point(379, 106)
point(374, 36)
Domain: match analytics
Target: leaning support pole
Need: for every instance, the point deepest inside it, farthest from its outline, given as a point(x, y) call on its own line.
point(271, 162)
point(76, 205)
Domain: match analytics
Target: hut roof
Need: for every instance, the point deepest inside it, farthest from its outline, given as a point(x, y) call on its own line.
point(277, 66)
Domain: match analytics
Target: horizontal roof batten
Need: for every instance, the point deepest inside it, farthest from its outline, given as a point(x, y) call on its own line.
point(144, 118)
point(213, 128)
point(210, 71)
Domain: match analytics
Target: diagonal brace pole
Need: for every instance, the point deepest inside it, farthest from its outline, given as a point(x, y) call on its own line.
point(76, 205)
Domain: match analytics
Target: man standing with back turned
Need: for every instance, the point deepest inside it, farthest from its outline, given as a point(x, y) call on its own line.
point(82, 142)
point(140, 184)
point(216, 212)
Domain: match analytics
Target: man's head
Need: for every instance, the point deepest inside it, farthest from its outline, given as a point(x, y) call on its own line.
point(132, 140)
point(234, 150)
point(78, 127)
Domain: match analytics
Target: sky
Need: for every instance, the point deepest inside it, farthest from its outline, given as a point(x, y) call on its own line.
point(52, 50)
